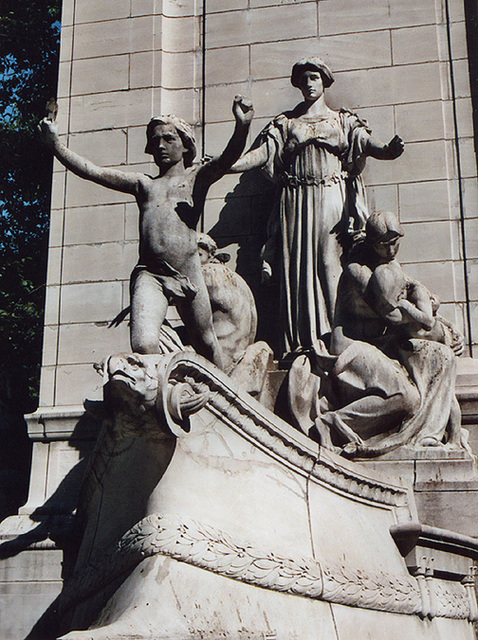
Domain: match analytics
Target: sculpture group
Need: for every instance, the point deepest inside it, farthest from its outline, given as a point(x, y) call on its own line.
point(388, 376)
point(373, 363)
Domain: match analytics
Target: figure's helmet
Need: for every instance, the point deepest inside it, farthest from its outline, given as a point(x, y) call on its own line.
point(383, 226)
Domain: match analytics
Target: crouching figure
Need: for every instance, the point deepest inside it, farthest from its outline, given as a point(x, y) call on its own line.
point(388, 377)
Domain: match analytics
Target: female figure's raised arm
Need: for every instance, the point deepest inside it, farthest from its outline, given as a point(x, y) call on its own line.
point(111, 178)
point(253, 159)
point(381, 151)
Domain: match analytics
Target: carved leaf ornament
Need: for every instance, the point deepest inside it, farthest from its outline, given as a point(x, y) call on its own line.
point(214, 550)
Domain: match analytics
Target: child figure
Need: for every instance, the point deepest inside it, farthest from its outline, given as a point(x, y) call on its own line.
point(170, 205)
point(404, 302)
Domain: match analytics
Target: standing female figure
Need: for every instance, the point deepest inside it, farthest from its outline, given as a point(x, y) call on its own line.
point(316, 155)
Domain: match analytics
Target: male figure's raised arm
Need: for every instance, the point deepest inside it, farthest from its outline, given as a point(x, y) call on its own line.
point(243, 113)
point(111, 178)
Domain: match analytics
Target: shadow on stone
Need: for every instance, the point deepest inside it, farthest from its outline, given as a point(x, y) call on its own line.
point(54, 522)
point(244, 221)
point(15, 447)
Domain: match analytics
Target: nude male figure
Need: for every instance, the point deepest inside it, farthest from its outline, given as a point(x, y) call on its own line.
point(170, 205)
point(233, 306)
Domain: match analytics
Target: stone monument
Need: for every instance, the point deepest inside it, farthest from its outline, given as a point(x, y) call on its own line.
point(173, 497)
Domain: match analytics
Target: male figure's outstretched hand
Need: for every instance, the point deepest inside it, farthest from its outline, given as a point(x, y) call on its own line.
point(243, 110)
point(48, 131)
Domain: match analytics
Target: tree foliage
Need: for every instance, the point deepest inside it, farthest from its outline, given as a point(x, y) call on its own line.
point(29, 45)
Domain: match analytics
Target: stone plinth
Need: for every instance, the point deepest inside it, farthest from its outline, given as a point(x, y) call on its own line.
point(239, 503)
point(445, 484)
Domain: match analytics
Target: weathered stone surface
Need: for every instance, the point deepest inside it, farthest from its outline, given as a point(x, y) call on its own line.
point(285, 22)
point(67, 12)
point(238, 547)
point(108, 147)
point(427, 201)
point(395, 85)
point(110, 73)
point(386, 55)
point(47, 383)
point(97, 11)
point(110, 261)
point(382, 198)
point(445, 486)
point(94, 195)
point(388, 378)
point(229, 65)
point(382, 119)
point(445, 278)
point(28, 601)
point(88, 225)
point(344, 18)
point(142, 8)
point(92, 341)
point(365, 50)
point(108, 38)
point(415, 44)
point(178, 70)
point(446, 245)
point(70, 379)
point(54, 265)
point(461, 79)
point(425, 161)
point(97, 302)
point(177, 34)
point(422, 121)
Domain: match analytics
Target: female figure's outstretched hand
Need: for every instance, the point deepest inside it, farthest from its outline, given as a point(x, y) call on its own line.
point(381, 151)
point(394, 148)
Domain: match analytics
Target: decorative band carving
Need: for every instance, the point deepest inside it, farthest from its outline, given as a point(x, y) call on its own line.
point(214, 550)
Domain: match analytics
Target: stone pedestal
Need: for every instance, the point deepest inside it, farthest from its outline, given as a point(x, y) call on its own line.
point(238, 503)
point(37, 545)
point(445, 485)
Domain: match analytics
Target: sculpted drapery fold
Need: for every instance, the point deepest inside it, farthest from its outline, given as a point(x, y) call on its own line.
point(317, 163)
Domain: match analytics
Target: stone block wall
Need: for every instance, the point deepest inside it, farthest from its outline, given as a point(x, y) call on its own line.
point(401, 65)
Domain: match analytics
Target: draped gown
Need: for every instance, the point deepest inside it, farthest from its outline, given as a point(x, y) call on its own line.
point(317, 164)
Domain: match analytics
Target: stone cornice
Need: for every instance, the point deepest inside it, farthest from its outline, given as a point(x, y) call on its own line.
point(267, 431)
